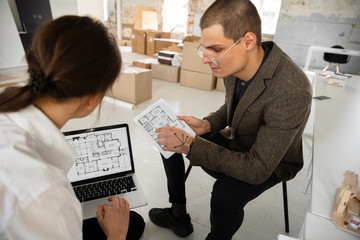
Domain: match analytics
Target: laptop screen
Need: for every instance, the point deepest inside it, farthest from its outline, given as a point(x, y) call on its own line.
point(101, 151)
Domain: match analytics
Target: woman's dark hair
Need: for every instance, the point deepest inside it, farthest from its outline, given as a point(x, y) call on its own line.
point(71, 56)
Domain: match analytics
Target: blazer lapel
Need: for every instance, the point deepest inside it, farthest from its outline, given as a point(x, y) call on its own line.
point(255, 88)
point(230, 85)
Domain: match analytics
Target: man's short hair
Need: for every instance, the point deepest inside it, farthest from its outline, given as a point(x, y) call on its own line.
point(237, 17)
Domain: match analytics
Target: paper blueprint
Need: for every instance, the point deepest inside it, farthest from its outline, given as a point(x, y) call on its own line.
point(159, 115)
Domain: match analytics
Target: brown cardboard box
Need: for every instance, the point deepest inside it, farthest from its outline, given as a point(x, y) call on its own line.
point(191, 60)
point(165, 35)
point(144, 63)
point(166, 72)
point(150, 42)
point(220, 84)
point(134, 85)
point(133, 41)
point(177, 35)
point(197, 80)
point(172, 35)
point(174, 48)
point(149, 20)
point(121, 42)
point(163, 43)
point(140, 36)
point(139, 15)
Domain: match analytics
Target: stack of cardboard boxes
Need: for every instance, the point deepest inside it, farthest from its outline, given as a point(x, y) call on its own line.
point(150, 42)
point(193, 72)
point(168, 68)
point(134, 84)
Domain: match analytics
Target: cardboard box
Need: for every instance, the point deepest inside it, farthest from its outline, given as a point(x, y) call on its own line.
point(150, 20)
point(140, 39)
point(150, 41)
point(172, 35)
point(165, 35)
point(220, 84)
point(198, 80)
point(134, 85)
point(138, 23)
point(133, 42)
point(191, 60)
point(144, 63)
point(163, 43)
point(166, 72)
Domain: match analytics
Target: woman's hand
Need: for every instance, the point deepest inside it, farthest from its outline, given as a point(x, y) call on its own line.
point(114, 220)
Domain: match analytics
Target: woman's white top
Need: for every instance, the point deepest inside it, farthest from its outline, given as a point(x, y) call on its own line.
point(36, 199)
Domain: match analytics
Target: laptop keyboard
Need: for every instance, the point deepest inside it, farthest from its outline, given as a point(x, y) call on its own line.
point(102, 189)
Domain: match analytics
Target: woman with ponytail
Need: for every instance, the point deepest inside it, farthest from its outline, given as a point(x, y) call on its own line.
point(72, 62)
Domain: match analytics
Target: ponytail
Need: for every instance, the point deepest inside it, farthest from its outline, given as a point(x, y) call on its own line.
point(16, 98)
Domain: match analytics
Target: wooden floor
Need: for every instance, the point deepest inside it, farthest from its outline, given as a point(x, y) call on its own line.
point(264, 217)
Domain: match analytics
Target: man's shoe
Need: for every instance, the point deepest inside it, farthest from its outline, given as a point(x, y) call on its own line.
point(163, 217)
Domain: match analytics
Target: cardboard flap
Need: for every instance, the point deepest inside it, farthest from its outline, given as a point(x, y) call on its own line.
point(192, 39)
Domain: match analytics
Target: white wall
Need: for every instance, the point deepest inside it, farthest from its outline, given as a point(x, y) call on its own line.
point(12, 53)
point(321, 23)
point(63, 7)
point(93, 8)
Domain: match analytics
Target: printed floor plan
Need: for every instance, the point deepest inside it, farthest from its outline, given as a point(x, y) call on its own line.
point(160, 114)
point(158, 118)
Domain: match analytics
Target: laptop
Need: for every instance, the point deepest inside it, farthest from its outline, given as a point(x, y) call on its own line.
point(104, 167)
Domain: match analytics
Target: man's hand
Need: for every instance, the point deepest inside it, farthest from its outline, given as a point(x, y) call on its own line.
point(174, 139)
point(199, 126)
point(114, 220)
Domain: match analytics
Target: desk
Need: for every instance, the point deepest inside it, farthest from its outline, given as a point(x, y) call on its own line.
point(319, 228)
point(328, 50)
point(336, 148)
point(336, 140)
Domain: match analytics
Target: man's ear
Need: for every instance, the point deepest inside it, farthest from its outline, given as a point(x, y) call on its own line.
point(250, 40)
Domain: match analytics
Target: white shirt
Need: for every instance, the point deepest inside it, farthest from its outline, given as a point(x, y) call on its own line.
point(36, 198)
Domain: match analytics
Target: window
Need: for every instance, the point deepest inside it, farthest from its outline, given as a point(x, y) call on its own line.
point(269, 13)
point(175, 15)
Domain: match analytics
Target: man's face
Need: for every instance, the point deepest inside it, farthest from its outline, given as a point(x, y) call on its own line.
point(230, 58)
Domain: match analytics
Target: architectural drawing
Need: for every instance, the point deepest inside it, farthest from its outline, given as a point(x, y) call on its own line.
point(159, 115)
point(99, 152)
point(158, 118)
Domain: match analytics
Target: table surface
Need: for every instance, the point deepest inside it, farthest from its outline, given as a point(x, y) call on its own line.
point(319, 228)
point(336, 140)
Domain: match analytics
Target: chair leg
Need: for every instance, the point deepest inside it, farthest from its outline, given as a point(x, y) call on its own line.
point(187, 172)
point(338, 68)
point(327, 66)
point(286, 212)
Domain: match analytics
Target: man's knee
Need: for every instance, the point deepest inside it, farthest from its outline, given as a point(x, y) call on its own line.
point(225, 198)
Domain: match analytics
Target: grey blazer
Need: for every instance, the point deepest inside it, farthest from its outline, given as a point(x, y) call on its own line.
point(266, 127)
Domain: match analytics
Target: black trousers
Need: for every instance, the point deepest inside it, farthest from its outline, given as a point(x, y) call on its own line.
point(228, 198)
point(93, 231)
